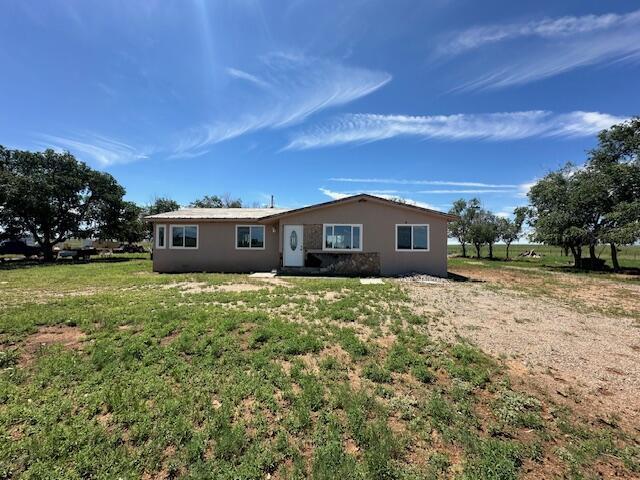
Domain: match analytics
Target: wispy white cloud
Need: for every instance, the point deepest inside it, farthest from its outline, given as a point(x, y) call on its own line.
point(405, 181)
point(299, 86)
point(338, 195)
point(234, 72)
point(95, 149)
point(523, 188)
point(466, 191)
point(335, 195)
point(470, 187)
point(364, 128)
point(555, 46)
point(561, 27)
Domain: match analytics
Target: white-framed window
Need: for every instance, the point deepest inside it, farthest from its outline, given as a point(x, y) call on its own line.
point(342, 237)
point(412, 237)
point(161, 236)
point(250, 237)
point(184, 236)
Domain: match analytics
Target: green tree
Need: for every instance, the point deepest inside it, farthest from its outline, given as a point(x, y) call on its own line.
point(510, 230)
point(483, 230)
point(492, 230)
point(460, 228)
point(159, 205)
point(623, 228)
point(162, 205)
point(125, 225)
point(54, 197)
point(557, 214)
point(615, 163)
point(207, 201)
point(214, 201)
point(598, 203)
point(591, 200)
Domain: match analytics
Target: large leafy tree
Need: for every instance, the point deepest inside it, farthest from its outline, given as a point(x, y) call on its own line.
point(214, 201)
point(208, 201)
point(53, 197)
point(615, 164)
point(597, 203)
point(460, 229)
point(483, 230)
point(556, 214)
point(125, 224)
point(162, 205)
point(159, 205)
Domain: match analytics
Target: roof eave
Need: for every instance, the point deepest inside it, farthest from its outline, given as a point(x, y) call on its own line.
point(447, 216)
point(187, 219)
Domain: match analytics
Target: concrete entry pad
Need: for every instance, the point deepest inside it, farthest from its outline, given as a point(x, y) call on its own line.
point(263, 275)
point(371, 281)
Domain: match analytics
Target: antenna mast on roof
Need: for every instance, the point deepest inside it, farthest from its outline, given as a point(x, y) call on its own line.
point(271, 206)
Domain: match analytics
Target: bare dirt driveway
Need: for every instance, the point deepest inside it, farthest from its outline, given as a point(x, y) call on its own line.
point(574, 338)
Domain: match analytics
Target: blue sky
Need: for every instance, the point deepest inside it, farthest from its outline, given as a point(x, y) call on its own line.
point(313, 100)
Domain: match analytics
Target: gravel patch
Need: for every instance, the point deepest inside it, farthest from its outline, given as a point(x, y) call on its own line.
point(590, 360)
point(421, 278)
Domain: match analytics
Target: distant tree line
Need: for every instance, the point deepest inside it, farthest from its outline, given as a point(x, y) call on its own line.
point(53, 197)
point(575, 208)
point(477, 227)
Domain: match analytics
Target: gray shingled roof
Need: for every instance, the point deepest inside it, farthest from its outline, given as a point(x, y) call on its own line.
point(217, 214)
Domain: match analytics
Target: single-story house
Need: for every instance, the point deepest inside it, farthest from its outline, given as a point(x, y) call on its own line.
point(358, 235)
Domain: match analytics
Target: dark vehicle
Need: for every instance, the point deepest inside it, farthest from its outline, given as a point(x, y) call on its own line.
point(128, 248)
point(18, 247)
point(77, 253)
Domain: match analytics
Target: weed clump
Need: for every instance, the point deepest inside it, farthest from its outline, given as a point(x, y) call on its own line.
point(376, 373)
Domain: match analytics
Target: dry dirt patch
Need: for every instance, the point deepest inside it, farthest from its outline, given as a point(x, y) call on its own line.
point(169, 338)
point(601, 294)
point(569, 354)
point(68, 337)
point(239, 287)
point(202, 287)
point(275, 281)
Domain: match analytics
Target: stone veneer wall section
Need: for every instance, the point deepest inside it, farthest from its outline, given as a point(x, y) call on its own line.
point(312, 237)
point(355, 263)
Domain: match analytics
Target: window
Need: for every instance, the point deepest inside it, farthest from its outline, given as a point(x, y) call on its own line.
point(342, 237)
point(412, 237)
point(250, 237)
point(160, 236)
point(184, 236)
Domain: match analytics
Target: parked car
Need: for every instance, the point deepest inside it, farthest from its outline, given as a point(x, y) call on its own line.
point(18, 247)
point(129, 248)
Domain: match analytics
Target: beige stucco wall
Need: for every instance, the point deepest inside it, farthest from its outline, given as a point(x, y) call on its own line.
point(378, 234)
point(216, 251)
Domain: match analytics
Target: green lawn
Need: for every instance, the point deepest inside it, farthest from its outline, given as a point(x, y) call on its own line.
point(190, 376)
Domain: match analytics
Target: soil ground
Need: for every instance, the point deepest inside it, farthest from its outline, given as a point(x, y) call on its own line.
point(575, 337)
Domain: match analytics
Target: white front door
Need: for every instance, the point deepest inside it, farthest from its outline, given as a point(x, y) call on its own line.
point(292, 246)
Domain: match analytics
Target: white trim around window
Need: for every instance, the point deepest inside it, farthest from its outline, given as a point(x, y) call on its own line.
point(251, 229)
point(413, 247)
point(183, 246)
point(160, 244)
point(354, 227)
